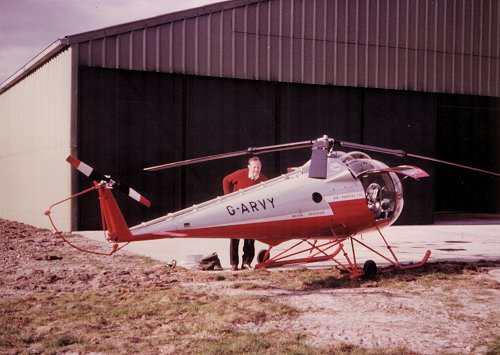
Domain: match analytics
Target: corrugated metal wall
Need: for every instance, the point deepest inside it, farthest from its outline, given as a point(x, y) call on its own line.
point(450, 46)
point(34, 142)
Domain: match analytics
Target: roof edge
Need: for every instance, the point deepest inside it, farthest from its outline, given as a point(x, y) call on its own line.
point(157, 20)
point(49, 52)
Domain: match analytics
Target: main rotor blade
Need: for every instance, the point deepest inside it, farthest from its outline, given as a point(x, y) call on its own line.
point(397, 152)
point(402, 153)
point(452, 164)
point(251, 150)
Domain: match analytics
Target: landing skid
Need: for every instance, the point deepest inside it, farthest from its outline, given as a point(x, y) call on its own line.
point(310, 251)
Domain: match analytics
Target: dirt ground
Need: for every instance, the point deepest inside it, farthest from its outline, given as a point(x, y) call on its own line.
point(444, 308)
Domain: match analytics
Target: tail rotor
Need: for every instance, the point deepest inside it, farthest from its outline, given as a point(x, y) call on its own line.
point(98, 177)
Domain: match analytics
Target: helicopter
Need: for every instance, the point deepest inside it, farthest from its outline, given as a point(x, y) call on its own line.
point(324, 204)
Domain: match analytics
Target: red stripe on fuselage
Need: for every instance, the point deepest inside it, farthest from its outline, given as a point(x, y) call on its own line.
point(349, 217)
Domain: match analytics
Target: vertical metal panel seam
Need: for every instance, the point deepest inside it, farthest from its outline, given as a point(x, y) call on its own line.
point(171, 47)
point(293, 73)
point(74, 131)
point(323, 59)
point(183, 50)
point(158, 48)
point(221, 43)
point(480, 81)
point(471, 54)
point(488, 84)
point(144, 48)
point(233, 43)
point(245, 44)
point(89, 53)
point(407, 44)
point(292, 41)
point(209, 44)
point(280, 41)
point(386, 69)
point(367, 44)
point(497, 91)
point(396, 59)
point(454, 48)
point(335, 43)
point(103, 51)
point(377, 43)
point(313, 54)
point(196, 44)
point(426, 42)
point(434, 67)
point(268, 69)
point(302, 43)
point(257, 37)
point(444, 60)
point(415, 71)
point(356, 42)
point(131, 50)
point(346, 41)
point(117, 52)
point(462, 50)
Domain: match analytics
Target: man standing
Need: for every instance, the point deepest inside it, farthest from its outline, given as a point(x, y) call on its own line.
point(233, 182)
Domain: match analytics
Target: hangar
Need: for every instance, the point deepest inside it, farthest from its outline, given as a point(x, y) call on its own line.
point(420, 76)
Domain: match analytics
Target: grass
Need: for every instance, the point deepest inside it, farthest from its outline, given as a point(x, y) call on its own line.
point(177, 319)
point(494, 346)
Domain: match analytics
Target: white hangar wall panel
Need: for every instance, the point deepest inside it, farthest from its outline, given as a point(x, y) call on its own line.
point(450, 46)
point(35, 118)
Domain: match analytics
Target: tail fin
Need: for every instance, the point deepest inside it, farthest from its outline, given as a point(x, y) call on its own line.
point(113, 220)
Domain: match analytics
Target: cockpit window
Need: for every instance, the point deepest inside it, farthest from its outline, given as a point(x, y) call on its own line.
point(383, 190)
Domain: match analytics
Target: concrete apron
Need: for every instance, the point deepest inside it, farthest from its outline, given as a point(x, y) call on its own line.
point(446, 242)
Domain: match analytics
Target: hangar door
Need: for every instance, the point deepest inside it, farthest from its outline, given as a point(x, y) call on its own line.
point(468, 132)
point(130, 120)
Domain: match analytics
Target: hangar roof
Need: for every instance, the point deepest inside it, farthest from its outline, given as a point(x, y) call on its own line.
point(433, 46)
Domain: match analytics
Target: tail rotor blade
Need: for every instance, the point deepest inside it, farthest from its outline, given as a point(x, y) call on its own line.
point(86, 170)
point(133, 194)
point(95, 175)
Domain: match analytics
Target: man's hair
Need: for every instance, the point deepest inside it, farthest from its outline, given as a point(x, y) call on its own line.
point(253, 159)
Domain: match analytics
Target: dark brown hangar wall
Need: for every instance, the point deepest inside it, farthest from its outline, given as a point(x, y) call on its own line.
point(247, 73)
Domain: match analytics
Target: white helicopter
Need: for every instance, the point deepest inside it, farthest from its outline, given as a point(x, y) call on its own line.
point(330, 200)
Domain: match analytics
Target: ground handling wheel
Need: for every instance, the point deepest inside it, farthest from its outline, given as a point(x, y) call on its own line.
point(261, 255)
point(369, 269)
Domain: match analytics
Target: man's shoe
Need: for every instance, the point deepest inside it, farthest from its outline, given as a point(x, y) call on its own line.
point(246, 267)
point(234, 267)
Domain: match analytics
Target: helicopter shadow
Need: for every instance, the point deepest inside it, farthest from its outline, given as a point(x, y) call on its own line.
point(439, 269)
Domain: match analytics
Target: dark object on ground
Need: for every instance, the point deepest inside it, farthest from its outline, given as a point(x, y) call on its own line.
point(209, 262)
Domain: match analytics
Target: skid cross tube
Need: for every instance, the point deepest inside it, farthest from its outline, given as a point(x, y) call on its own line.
point(314, 251)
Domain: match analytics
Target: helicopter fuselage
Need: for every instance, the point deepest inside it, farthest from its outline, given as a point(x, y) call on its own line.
point(292, 206)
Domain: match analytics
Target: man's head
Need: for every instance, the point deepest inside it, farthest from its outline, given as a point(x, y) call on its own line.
point(254, 167)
